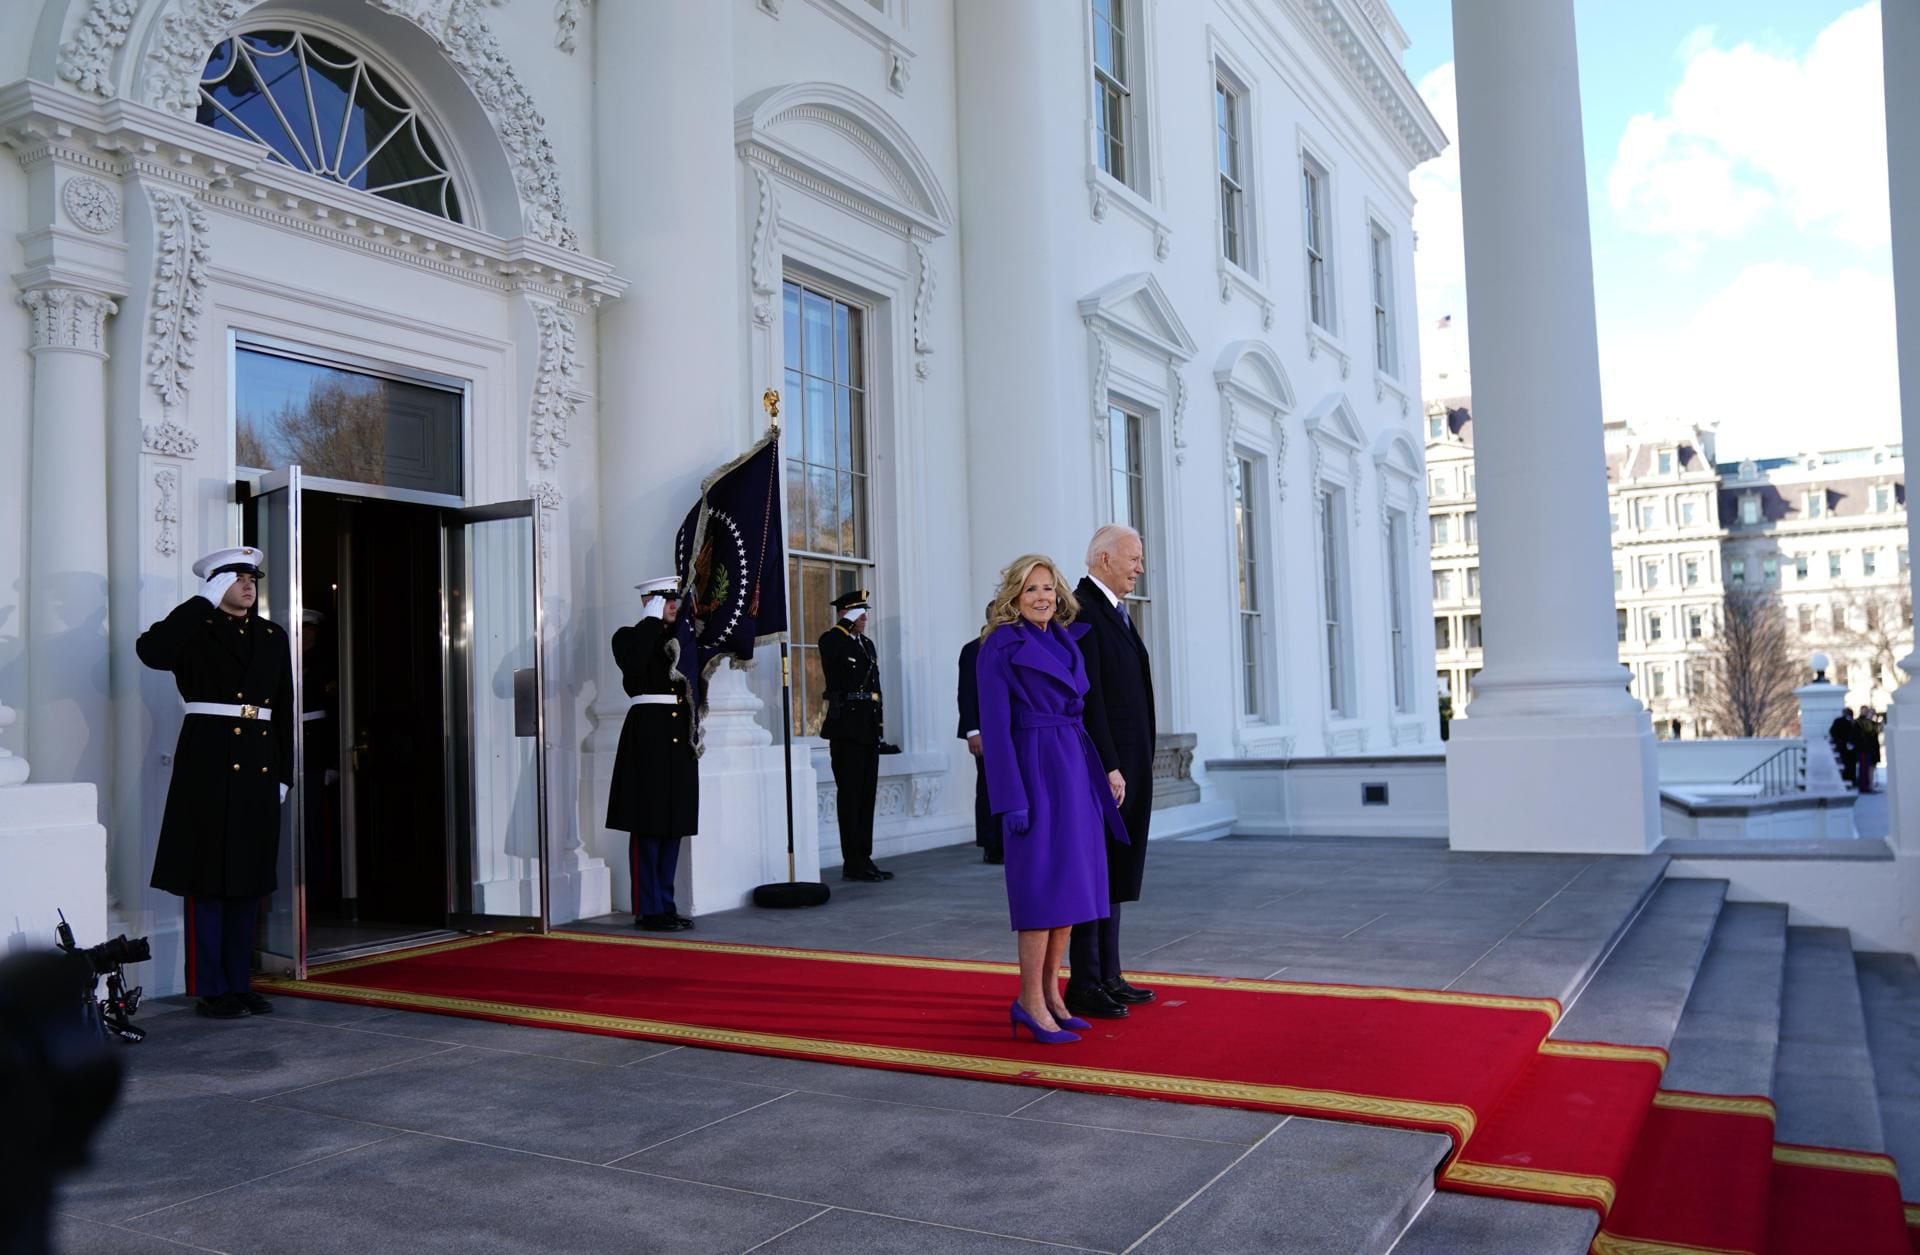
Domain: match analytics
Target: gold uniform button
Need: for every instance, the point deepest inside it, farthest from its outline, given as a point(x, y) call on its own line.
point(263, 732)
point(236, 766)
point(236, 732)
point(263, 771)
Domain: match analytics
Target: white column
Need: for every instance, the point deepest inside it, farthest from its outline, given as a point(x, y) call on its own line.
point(675, 402)
point(1900, 42)
point(68, 730)
point(1555, 755)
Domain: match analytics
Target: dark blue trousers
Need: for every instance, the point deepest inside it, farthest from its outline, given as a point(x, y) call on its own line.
point(655, 861)
point(220, 945)
point(1093, 951)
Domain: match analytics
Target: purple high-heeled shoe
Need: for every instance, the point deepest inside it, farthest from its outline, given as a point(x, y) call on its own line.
point(1070, 1021)
point(1017, 1016)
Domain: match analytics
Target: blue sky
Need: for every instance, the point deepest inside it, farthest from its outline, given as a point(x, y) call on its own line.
point(1737, 190)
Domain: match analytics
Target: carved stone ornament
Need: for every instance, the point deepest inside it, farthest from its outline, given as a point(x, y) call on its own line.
point(556, 388)
point(1162, 242)
point(547, 496)
point(169, 439)
point(890, 799)
point(926, 794)
point(923, 301)
point(87, 59)
point(770, 7)
point(171, 82)
point(899, 70)
point(166, 511)
point(567, 15)
point(1099, 204)
point(1179, 419)
point(765, 261)
point(179, 293)
point(1103, 365)
point(93, 206)
point(68, 318)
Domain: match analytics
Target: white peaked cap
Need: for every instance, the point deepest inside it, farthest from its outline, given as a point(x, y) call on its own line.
point(660, 586)
point(239, 555)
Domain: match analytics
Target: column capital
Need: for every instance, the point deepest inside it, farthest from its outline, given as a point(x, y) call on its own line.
point(69, 320)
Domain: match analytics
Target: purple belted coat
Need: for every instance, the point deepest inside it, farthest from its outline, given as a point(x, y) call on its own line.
point(1040, 760)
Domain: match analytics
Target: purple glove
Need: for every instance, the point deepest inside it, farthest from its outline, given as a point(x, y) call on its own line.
point(1013, 823)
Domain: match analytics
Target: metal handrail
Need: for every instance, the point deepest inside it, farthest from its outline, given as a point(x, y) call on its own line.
point(1783, 772)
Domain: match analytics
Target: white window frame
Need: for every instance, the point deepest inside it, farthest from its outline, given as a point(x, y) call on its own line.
point(1749, 510)
point(1139, 192)
point(1318, 245)
point(1251, 553)
point(1235, 204)
point(1337, 442)
point(1815, 503)
point(1381, 256)
point(1256, 399)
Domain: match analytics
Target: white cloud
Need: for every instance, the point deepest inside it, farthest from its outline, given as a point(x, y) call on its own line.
point(1785, 359)
point(1749, 131)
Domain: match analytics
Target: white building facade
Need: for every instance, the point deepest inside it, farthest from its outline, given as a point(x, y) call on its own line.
point(505, 279)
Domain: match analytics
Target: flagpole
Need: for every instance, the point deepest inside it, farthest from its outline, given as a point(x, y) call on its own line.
point(786, 744)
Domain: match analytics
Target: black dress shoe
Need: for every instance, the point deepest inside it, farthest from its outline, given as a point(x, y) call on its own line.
point(871, 874)
point(683, 922)
point(254, 1003)
point(222, 1007)
point(988, 856)
point(658, 923)
point(1127, 995)
point(1094, 1003)
point(882, 872)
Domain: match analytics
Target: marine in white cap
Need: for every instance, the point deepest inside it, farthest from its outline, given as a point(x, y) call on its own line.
point(232, 766)
point(655, 797)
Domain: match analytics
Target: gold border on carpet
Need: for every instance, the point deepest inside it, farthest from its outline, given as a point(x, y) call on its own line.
point(1535, 1181)
point(1605, 1050)
point(1716, 1104)
point(1836, 1160)
point(1458, 1119)
point(1605, 1243)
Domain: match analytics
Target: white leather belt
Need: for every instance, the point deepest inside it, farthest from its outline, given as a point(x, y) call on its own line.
point(223, 711)
point(654, 699)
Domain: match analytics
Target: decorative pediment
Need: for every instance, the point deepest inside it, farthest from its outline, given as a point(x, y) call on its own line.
point(1251, 370)
point(1332, 422)
point(845, 147)
point(1135, 310)
point(1394, 453)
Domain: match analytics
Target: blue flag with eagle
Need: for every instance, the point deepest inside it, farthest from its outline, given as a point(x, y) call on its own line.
point(731, 556)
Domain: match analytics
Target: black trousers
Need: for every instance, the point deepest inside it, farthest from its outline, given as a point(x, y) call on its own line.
point(986, 827)
point(856, 779)
point(1093, 951)
point(220, 945)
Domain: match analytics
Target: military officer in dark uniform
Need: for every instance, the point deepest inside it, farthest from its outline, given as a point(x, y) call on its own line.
point(852, 729)
point(233, 764)
point(986, 825)
point(656, 772)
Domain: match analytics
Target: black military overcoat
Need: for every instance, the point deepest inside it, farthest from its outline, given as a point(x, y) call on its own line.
point(656, 772)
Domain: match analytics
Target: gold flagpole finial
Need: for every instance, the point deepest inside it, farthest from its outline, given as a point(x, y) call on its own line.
point(770, 402)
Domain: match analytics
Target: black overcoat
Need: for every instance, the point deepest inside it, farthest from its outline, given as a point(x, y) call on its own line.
point(220, 837)
point(1120, 718)
point(656, 772)
point(850, 664)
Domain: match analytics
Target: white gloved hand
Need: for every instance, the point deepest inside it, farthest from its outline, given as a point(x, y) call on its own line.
point(653, 608)
point(215, 589)
point(283, 793)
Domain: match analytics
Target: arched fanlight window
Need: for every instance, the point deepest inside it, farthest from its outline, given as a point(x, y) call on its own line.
point(324, 110)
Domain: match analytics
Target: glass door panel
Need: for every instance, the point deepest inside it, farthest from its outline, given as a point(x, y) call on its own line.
point(272, 517)
point(496, 757)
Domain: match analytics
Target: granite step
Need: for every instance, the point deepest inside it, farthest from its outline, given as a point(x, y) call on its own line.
point(1890, 996)
point(1823, 1075)
point(1730, 1032)
point(1637, 996)
point(1310, 1185)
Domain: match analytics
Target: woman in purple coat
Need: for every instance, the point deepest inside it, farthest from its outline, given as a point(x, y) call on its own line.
point(1044, 781)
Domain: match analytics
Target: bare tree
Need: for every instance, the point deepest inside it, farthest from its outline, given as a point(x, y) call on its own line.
point(340, 433)
point(1877, 630)
point(1752, 669)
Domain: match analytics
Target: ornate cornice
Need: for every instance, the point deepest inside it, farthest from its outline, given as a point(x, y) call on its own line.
point(87, 60)
point(69, 320)
point(179, 292)
point(189, 28)
point(1361, 53)
point(556, 388)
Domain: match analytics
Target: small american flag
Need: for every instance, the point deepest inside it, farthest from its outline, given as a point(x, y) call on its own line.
point(1443, 323)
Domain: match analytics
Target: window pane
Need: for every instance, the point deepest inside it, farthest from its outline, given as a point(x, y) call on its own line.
point(816, 345)
point(841, 369)
point(818, 414)
point(843, 429)
point(823, 501)
point(855, 373)
point(790, 330)
point(862, 541)
point(342, 424)
point(797, 507)
point(844, 513)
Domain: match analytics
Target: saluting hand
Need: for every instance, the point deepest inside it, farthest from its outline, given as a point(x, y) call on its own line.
point(215, 589)
point(1118, 784)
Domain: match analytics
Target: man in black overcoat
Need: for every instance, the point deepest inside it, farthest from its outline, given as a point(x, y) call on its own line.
point(232, 767)
point(986, 828)
point(1120, 719)
point(1845, 742)
point(852, 728)
point(655, 797)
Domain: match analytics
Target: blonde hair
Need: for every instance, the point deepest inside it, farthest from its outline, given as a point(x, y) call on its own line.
point(1005, 606)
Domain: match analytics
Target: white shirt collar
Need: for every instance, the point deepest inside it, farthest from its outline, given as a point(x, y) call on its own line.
point(1111, 599)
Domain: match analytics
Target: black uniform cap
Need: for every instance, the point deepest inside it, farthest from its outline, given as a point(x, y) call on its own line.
point(853, 599)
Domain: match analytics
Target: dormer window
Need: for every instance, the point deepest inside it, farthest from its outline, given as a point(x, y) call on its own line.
point(1749, 510)
point(1666, 461)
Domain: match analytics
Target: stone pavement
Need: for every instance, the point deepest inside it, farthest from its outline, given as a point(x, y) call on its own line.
point(328, 1128)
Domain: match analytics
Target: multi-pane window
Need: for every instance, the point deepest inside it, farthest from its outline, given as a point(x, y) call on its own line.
point(1691, 567)
point(1442, 526)
point(1469, 481)
point(1313, 211)
point(1229, 122)
point(1648, 512)
point(1397, 609)
point(1470, 527)
point(1869, 561)
point(1333, 595)
point(1650, 573)
point(1833, 565)
point(1442, 632)
point(1443, 585)
point(1696, 624)
point(1749, 510)
point(829, 542)
point(1736, 571)
point(1113, 88)
point(1619, 579)
point(1620, 625)
point(1882, 498)
point(1658, 677)
point(1817, 504)
point(1436, 426)
point(1380, 245)
point(1770, 570)
point(1656, 626)
point(1470, 631)
point(1126, 445)
point(1251, 591)
point(1806, 618)
point(1473, 581)
point(1666, 461)
point(1799, 566)
point(1437, 484)
point(1613, 520)
point(1686, 513)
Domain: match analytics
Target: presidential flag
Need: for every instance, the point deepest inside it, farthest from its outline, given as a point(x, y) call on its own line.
point(732, 561)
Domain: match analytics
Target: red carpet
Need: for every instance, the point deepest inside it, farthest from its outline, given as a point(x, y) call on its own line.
point(1548, 1121)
